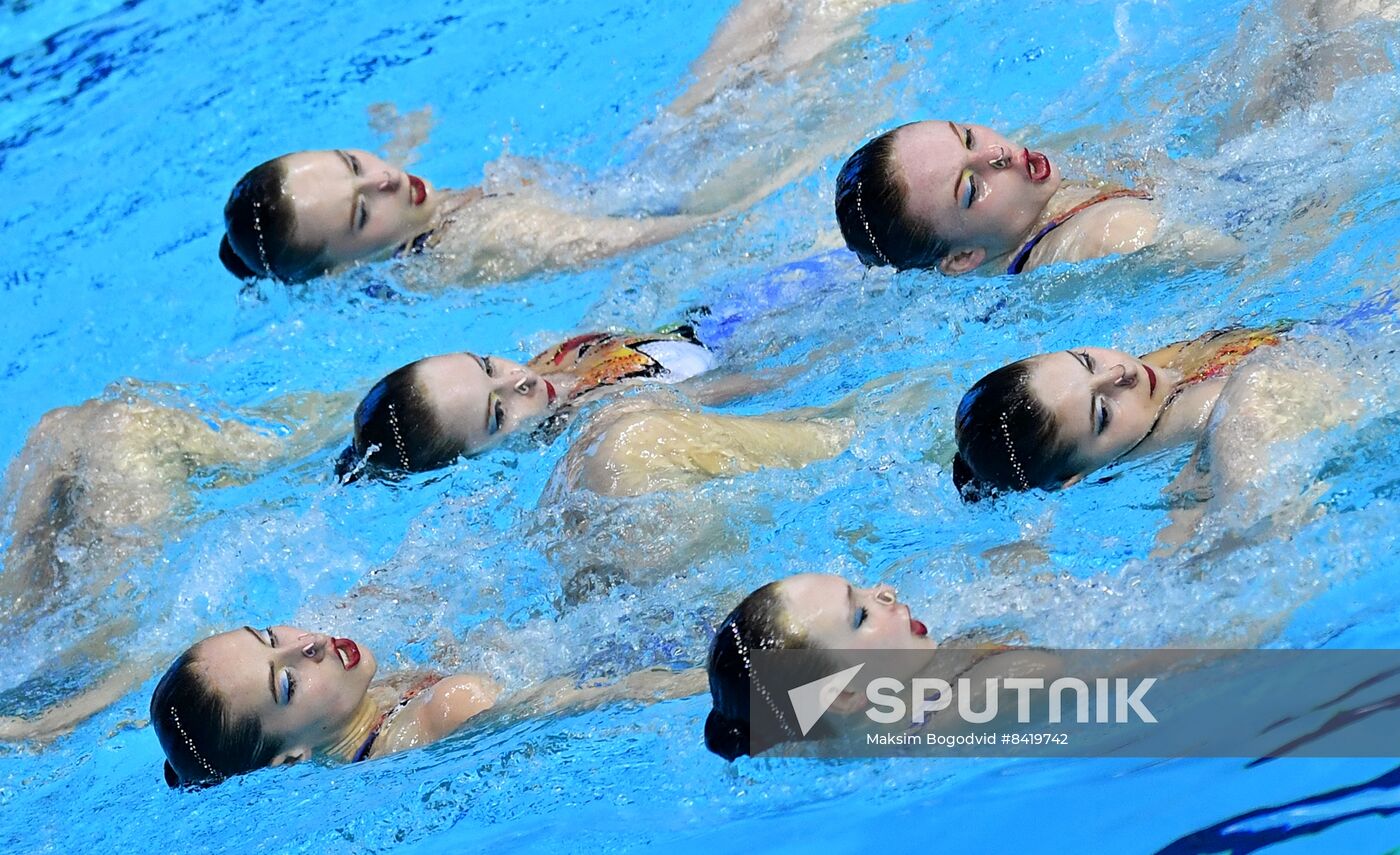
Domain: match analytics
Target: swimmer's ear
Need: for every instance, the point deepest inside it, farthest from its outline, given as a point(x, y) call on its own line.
point(290, 757)
point(849, 702)
point(962, 260)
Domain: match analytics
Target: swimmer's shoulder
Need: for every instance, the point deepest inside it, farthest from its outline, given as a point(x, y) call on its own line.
point(440, 710)
point(1112, 227)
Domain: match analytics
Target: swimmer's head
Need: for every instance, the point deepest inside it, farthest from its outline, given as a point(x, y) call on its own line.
point(252, 698)
point(428, 413)
point(809, 611)
point(941, 194)
point(312, 212)
point(1047, 421)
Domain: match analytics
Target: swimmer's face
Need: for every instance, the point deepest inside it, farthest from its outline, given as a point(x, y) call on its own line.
point(483, 399)
point(1104, 401)
point(833, 614)
point(972, 187)
point(357, 206)
point(304, 687)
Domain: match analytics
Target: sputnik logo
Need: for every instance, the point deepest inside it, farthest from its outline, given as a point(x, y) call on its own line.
point(811, 700)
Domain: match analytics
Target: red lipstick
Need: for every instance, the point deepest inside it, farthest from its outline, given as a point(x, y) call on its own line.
point(1151, 379)
point(417, 190)
point(917, 627)
point(549, 391)
point(349, 652)
point(1037, 165)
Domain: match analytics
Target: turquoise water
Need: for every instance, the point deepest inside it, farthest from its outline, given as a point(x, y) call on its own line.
point(122, 127)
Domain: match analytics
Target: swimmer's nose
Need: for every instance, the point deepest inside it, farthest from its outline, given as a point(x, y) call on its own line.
point(521, 380)
point(1119, 375)
point(1000, 157)
point(314, 647)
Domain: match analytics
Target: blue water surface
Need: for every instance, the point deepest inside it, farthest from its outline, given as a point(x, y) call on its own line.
point(122, 128)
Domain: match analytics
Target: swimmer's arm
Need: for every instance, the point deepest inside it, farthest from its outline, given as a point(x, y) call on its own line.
point(652, 684)
point(716, 389)
point(748, 32)
point(65, 716)
point(642, 452)
point(508, 237)
point(453, 701)
point(769, 38)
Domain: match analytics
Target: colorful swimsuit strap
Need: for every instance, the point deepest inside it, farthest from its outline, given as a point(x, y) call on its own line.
point(1230, 355)
point(427, 682)
point(1019, 261)
point(605, 358)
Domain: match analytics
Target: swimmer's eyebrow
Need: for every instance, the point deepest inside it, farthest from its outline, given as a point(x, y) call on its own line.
point(481, 363)
point(850, 602)
point(254, 633)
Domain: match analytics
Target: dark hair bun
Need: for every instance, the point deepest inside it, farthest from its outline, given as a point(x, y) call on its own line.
point(233, 262)
point(172, 778)
point(727, 737)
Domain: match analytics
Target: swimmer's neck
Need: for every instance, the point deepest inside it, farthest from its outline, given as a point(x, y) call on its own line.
point(1185, 414)
point(1065, 198)
point(445, 209)
point(566, 385)
point(343, 745)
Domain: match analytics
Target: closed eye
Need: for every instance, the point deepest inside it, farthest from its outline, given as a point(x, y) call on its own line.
point(495, 413)
point(861, 615)
point(488, 366)
point(286, 685)
point(361, 213)
point(1104, 415)
point(969, 193)
point(354, 163)
point(967, 138)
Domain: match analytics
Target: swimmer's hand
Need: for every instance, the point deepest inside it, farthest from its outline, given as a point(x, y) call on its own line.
point(406, 131)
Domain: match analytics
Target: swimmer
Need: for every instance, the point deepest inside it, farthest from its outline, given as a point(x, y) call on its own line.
point(813, 611)
point(428, 413)
point(843, 625)
point(310, 213)
point(1049, 421)
point(960, 197)
point(97, 489)
point(251, 698)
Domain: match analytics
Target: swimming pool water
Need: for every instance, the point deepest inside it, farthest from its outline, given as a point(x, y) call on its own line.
point(122, 127)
